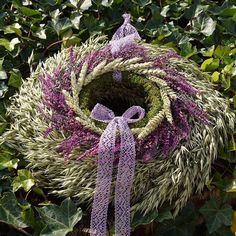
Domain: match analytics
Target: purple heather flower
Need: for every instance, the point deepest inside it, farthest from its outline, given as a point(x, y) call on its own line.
point(162, 61)
point(174, 78)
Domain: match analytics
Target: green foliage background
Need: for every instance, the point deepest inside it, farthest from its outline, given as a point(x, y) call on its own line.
point(31, 30)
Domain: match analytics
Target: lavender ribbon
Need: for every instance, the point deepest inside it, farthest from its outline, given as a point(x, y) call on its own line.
point(123, 36)
point(125, 173)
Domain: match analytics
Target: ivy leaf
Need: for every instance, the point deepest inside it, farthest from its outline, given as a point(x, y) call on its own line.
point(9, 45)
point(182, 225)
point(13, 29)
point(223, 231)
point(15, 79)
point(165, 10)
point(142, 3)
point(75, 20)
point(229, 11)
point(13, 43)
point(187, 50)
point(71, 41)
point(61, 25)
point(208, 26)
point(6, 161)
point(10, 211)
point(107, 3)
point(59, 220)
point(86, 4)
point(229, 25)
point(216, 215)
point(23, 180)
point(165, 215)
point(195, 10)
point(30, 12)
point(41, 33)
point(155, 21)
point(31, 220)
point(215, 77)
point(208, 52)
point(222, 51)
point(210, 64)
point(73, 3)
point(140, 219)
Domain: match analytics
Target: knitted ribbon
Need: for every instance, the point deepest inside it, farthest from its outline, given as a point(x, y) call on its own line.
point(125, 171)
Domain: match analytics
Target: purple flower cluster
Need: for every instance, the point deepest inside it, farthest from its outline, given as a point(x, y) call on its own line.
point(167, 136)
point(174, 78)
point(163, 140)
point(63, 117)
point(127, 52)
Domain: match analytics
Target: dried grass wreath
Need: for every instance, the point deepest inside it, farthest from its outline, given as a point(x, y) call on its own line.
point(71, 121)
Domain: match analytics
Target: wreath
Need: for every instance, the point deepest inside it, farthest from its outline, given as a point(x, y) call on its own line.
point(119, 123)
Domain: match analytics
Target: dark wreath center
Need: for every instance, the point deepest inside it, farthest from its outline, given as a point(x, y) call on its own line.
point(132, 90)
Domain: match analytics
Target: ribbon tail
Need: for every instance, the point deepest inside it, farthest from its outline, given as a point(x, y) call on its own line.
point(124, 180)
point(98, 224)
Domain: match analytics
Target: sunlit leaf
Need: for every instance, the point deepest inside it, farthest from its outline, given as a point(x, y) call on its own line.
point(165, 10)
point(229, 11)
point(23, 180)
point(75, 20)
point(9, 45)
point(208, 26)
point(41, 33)
point(215, 77)
point(208, 52)
point(107, 3)
point(30, 12)
point(222, 51)
point(71, 41)
point(210, 64)
point(86, 4)
point(3, 75)
point(7, 161)
point(15, 79)
point(13, 29)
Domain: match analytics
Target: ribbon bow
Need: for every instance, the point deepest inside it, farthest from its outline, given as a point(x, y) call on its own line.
point(125, 171)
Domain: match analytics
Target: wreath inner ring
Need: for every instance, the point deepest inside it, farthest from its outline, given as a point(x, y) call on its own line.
point(163, 92)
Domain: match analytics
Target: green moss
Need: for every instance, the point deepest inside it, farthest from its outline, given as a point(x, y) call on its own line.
point(134, 90)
